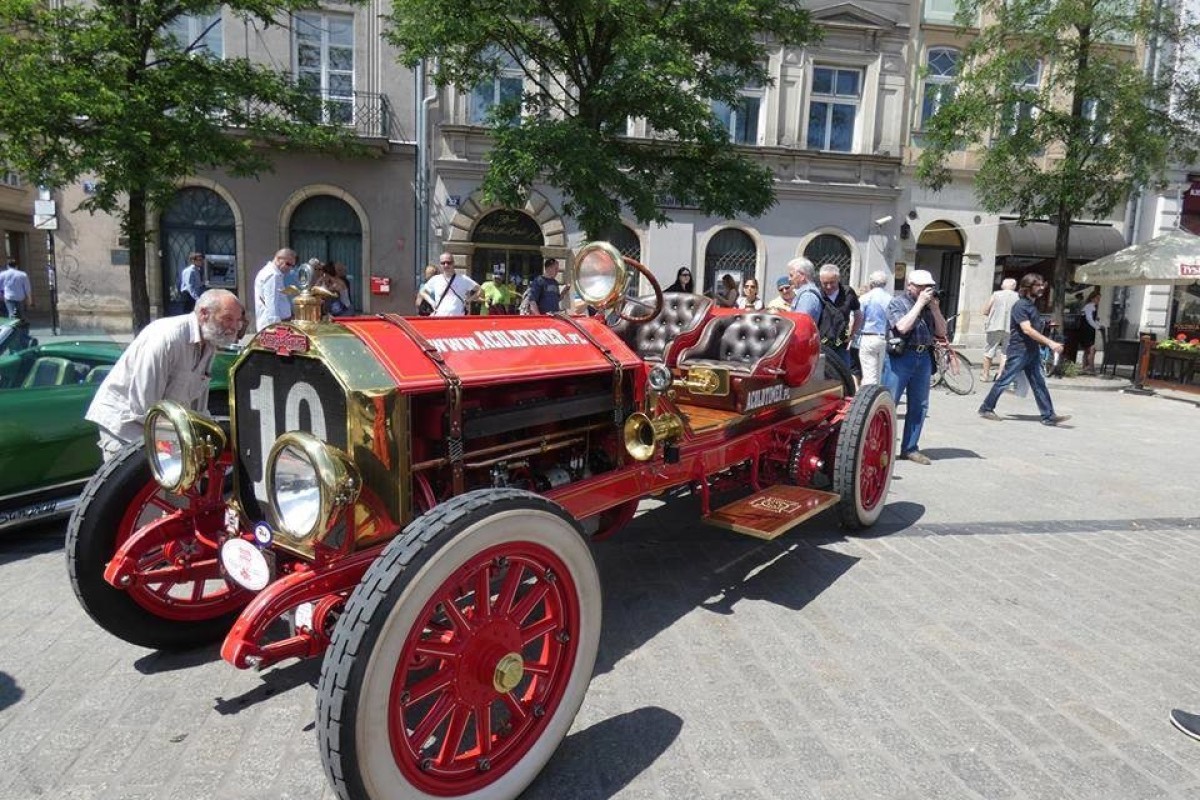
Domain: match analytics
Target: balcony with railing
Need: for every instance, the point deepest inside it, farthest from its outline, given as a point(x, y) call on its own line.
point(370, 114)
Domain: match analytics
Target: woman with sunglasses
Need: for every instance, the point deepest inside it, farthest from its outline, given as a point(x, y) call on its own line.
point(683, 282)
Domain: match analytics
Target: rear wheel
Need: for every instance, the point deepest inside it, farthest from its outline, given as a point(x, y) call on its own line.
point(862, 465)
point(194, 606)
point(463, 656)
point(958, 373)
point(836, 369)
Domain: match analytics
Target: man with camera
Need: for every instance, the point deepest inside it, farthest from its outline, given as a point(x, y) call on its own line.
point(916, 320)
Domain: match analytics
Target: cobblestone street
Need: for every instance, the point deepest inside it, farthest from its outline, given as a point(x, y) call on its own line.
point(1018, 625)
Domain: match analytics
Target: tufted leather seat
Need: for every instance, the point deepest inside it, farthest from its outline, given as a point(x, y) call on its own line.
point(743, 343)
point(654, 340)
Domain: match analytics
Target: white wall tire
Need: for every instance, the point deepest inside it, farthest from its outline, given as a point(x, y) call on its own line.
point(369, 722)
point(862, 464)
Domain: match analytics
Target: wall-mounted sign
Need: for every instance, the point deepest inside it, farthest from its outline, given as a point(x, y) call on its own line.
point(453, 200)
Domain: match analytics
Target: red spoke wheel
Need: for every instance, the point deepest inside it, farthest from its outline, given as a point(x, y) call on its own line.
point(462, 658)
point(161, 614)
point(862, 464)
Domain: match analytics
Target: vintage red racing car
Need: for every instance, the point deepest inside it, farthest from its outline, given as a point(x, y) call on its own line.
point(415, 499)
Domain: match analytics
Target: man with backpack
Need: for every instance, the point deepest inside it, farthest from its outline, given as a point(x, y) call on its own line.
point(807, 299)
point(840, 315)
point(544, 296)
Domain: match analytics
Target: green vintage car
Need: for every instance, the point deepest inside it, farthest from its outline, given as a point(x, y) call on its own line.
point(47, 449)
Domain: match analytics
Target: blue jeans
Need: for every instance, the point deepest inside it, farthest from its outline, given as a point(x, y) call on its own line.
point(16, 308)
point(1030, 363)
point(909, 373)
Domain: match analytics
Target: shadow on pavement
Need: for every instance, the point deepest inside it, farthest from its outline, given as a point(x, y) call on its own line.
point(946, 453)
point(666, 564)
point(600, 761)
point(10, 692)
point(33, 540)
point(169, 661)
point(275, 681)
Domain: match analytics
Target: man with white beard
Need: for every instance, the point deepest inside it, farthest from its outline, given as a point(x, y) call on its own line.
point(169, 360)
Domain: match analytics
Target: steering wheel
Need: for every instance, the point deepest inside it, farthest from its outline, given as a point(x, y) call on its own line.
point(654, 308)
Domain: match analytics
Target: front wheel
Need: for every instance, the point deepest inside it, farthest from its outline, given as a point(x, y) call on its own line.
point(178, 598)
point(958, 373)
point(462, 658)
point(862, 464)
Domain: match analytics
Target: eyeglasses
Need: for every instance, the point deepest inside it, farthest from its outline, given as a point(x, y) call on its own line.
point(446, 263)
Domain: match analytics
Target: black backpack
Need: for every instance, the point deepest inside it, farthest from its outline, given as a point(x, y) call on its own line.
point(832, 324)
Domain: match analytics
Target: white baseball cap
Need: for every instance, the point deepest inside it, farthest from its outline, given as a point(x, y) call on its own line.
point(921, 277)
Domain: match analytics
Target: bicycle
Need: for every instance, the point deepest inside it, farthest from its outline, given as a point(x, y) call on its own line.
point(1048, 357)
point(952, 369)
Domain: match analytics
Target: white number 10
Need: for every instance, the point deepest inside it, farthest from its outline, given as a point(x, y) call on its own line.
point(262, 401)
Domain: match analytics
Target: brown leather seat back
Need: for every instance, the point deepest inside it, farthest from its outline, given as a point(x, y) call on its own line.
point(681, 314)
point(740, 342)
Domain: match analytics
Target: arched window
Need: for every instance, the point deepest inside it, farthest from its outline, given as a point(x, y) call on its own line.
point(731, 251)
point(511, 240)
point(627, 242)
point(197, 220)
point(326, 227)
point(942, 70)
point(830, 249)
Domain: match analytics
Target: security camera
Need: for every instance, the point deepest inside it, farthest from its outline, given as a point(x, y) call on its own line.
point(883, 220)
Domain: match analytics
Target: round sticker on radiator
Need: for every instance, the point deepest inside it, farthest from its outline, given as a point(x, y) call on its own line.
point(262, 533)
point(245, 564)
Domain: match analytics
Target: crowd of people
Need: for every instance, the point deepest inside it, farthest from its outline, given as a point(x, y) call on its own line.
point(881, 338)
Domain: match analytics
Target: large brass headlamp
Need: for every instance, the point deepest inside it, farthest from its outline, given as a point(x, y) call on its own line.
point(308, 482)
point(180, 445)
point(600, 274)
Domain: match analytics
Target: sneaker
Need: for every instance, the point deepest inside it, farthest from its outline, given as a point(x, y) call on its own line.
point(1186, 723)
point(1056, 419)
point(992, 415)
point(917, 457)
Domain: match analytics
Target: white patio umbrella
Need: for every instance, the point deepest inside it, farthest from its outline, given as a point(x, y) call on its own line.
point(1171, 258)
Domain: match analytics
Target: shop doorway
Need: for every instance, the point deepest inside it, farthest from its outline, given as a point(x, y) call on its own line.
point(940, 250)
point(327, 227)
point(510, 241)
point(198, 220)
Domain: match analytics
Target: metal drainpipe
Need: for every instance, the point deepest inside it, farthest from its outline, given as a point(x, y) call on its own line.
point(424, 214)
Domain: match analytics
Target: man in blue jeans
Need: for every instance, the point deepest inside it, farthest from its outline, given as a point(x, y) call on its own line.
point(915, 316)
point(1023, 354)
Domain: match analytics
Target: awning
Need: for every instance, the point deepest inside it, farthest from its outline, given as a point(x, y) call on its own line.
point(1035, 240)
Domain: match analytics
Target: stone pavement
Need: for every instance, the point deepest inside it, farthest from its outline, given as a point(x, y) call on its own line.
point(1018, 625)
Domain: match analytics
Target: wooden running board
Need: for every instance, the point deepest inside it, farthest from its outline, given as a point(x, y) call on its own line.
point(772, 511)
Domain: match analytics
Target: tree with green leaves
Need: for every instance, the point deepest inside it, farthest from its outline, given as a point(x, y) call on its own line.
point(106, 88)
point(589, 67)
point(1065, 116)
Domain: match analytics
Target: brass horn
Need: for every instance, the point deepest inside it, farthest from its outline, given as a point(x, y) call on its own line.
point(643, 434)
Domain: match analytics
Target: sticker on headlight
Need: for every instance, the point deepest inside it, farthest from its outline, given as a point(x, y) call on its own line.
point(262, 534)
point(245, 564)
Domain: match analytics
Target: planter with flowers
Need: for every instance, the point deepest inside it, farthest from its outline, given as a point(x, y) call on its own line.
point(1176, 357)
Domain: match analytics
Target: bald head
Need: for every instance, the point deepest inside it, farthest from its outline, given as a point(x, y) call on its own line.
point(1008, 283)
point(285, 260)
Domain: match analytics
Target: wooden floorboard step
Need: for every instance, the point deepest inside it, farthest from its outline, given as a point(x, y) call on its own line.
point(772, 511)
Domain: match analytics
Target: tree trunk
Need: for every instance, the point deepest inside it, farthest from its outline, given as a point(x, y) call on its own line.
point(135, 229)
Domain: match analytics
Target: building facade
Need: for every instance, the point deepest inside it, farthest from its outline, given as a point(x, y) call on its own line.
point(839, 126)
point(357, 211)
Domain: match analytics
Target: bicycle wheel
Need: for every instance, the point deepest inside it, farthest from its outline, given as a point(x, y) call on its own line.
point(1049, 361)
point(959, 376)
